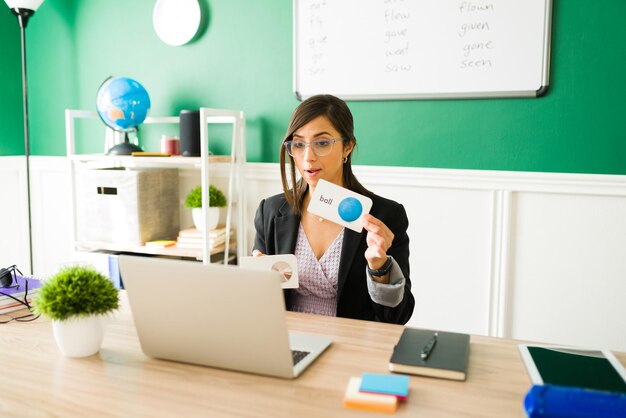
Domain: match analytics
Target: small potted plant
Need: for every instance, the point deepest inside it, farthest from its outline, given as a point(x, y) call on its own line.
point(77, 298)
point(193, 201)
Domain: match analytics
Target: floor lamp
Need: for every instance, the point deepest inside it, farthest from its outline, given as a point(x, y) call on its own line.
point(23, 10)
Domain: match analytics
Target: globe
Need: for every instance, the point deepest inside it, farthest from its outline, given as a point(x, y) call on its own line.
point(122, 103)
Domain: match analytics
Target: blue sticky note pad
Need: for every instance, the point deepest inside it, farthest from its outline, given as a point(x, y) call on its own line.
point(385, 383)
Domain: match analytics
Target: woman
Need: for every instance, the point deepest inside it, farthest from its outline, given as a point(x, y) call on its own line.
point(341, 272)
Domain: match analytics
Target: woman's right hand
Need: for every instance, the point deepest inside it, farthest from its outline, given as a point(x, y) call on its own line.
point(257, 253)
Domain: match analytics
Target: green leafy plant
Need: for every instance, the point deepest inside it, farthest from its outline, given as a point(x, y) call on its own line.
point(216, 197)
point(76, 291)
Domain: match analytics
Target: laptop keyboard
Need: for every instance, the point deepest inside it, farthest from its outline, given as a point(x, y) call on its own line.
point(298, 355)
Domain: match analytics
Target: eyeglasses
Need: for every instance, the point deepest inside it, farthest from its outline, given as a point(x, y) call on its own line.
point(321, 147)
point(6, 318)
point(8, 280)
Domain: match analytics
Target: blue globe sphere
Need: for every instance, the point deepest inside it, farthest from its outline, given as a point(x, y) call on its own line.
point(122, 103)
point(350, 209)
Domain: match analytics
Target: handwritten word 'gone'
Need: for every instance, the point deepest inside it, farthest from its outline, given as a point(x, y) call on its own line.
point(476, 46)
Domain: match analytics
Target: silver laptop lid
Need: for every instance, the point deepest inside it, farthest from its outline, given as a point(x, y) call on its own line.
point(218, 316)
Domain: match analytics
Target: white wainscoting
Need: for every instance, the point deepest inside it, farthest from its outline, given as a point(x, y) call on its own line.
point(535, 256)
point(14, 246)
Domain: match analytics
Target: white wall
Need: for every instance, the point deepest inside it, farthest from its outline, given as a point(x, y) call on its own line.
point(534, 256)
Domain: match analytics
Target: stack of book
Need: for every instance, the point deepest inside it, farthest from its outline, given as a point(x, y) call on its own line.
point(193, 238)
point(8, 304)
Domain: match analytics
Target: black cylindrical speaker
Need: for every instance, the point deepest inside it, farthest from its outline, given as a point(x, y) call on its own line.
point(190, 133)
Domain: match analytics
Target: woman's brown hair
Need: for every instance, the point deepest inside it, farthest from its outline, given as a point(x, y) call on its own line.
point(339, 115)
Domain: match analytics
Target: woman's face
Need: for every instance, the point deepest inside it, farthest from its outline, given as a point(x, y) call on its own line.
point(313, 167)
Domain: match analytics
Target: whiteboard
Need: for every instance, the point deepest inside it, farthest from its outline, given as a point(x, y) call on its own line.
point(421, 49)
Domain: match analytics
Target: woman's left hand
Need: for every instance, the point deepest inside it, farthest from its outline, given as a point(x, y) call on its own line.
point(379, 239)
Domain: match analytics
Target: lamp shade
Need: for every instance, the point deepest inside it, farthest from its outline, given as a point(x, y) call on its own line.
point(24, 4)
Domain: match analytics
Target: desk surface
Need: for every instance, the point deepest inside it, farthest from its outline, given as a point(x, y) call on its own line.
point(37, 380)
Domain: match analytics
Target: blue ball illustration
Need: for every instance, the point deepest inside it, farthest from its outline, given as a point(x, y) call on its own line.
point(350, 209)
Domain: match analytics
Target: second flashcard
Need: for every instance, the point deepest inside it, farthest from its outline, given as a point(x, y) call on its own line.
point(339, 205)
point(285, 264)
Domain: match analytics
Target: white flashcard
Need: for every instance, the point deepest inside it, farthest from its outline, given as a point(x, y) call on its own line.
point(339, 205)
point(285, 264)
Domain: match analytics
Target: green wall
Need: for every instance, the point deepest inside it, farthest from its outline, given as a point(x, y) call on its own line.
point(11, 119)
point(243, 60)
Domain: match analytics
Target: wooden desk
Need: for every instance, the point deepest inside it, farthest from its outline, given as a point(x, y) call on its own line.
point(37, 380)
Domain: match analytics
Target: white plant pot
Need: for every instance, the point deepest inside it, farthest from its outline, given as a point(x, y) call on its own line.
point(198, 220)
point(79, 336)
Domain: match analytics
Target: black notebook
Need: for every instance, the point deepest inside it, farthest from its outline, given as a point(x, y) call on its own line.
point(446, 358)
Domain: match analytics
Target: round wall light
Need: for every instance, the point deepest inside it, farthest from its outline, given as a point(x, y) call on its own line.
point(176, 22)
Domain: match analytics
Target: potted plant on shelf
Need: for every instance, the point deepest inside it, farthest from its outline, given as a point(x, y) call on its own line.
point(193, 201)
point(77, 298)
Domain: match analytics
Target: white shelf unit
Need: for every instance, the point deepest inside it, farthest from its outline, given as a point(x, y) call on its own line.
point(235, 163)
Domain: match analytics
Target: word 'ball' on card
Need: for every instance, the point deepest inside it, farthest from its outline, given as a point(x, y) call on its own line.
point(339, 205)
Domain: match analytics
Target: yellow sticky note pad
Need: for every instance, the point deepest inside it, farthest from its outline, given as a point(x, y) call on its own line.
point(162, 243)
point(369, 401)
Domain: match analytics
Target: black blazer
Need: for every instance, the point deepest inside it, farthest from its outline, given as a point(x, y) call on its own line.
point(277, 231)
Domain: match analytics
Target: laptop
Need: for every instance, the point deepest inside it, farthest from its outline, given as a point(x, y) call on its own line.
point(215, 315)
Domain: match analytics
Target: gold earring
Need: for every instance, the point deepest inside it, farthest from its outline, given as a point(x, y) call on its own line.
point(345, 159)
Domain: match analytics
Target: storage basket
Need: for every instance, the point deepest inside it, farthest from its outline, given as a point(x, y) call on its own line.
point(127, 206)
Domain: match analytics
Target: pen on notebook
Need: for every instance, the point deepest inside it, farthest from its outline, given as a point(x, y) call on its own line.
point(428, 348)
